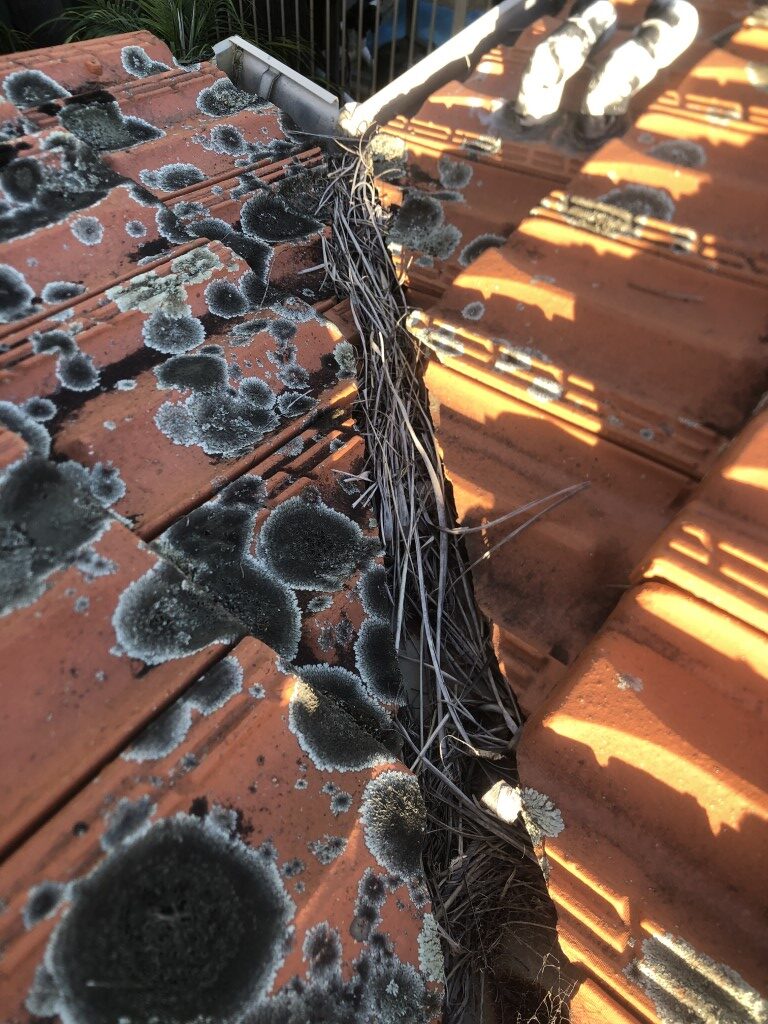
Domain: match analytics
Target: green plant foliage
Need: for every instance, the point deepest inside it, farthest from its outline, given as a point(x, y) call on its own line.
point(12, 40)
point(189, 27)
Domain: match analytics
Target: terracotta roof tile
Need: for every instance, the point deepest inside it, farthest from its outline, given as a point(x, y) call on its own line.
point(540, 317)
point(554, 584)
point(663, 721)
point(36, 77)
point(717, 547)
point(182, 480)
point(227, 777)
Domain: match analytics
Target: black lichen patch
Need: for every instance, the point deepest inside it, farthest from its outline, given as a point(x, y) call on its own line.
point(88, 230)
point(21, 179)
point(42, 902)
point(328, 848)
point(163, 734)
point(207, 695)
point(337, 724)
point(138, 63)
point(54, 341)
point(322, 950)
point(77, 372)
point(346, 360)
point(24, 422)
point(128, 820)
point(293, 404)
point(478, 246)
point(61, 291)
point(40, 409)
point(211, 546)
point(682, 152)
point(45, 191)
point(30, 88)
point(215, 687)
point(473, 311)
point(102, 125)
point(225, 299)
point(268, 217)
point(160, 617)
point(454, 174)
point(45, 519)
point(371, 895)
point(16, 297)
point(420, 224)
point(374, 593)
point(223, 99)
point(294, 376)
point(394, 822)
point(226, 138)
point(381, 990)
point(216, 417)
point(184, 924)
point(93, 565)
point(376, 660)
point(172, 177)
point(642, 201)
point(173, 335)
point(312, 546)
point(106, 484)
point(324, 601)
point(135, 228)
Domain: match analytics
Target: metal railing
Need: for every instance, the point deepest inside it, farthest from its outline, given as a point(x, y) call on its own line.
point(355, 47)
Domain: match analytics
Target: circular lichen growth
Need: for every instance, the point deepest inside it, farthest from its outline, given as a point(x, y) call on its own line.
point(172, 334)
point(642, 201)
point(682, 152)
point(16, 297)
point(183, 924)
point(172, 177)
point(394, 822)
point(88, 230)
point(377, 663)
point(30, 88)
point(311, 546)
point(375, 594)
point(21, 179)
point(337, 724)
point(225, 299)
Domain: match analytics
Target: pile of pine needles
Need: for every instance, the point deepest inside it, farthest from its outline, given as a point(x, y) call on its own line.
point(462, 721)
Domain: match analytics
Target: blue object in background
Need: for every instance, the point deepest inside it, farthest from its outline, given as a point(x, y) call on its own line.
point(443, 24)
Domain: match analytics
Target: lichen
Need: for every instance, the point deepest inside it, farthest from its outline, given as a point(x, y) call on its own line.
point(211, 546)
point(311, 546)
point(687, 985)
point(337, 724)
point(431, 959)
point(207, 695)
point(642, 201)
point(216, 417)
point(478, 246)
point(137, 62)
point(16, 297)
point(454, 174)
point(394, 822)
point(181, 923)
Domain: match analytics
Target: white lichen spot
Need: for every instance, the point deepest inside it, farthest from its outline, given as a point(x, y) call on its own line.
point(430, 951)
point(625, 681)
point(540, 815)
